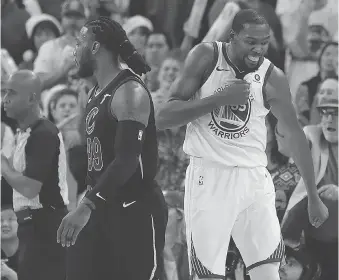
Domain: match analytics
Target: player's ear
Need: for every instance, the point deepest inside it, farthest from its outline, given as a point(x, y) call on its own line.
point(95, 47)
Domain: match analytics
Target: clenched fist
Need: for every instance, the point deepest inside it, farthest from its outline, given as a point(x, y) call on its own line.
point(235, 92)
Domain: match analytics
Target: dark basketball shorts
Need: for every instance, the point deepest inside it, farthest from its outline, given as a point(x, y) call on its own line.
point(40, 256)
point(121, 241)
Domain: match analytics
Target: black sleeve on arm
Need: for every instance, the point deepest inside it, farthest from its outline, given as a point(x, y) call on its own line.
point(128, 146)
point(40, 150)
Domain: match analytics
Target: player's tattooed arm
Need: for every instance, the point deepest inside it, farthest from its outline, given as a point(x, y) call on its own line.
point(293, 137)
point(131, 106)
point(131, 102)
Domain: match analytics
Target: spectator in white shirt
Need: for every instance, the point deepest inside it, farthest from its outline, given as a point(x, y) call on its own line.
point(40, 29)
point(138, 29)
point(55, 58)
point(301, 20)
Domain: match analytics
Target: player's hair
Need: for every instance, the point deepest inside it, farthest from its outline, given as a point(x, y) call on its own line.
point(247, 16)
point(111, 34)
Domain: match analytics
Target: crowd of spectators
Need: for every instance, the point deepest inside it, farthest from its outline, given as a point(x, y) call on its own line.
point(40, 35)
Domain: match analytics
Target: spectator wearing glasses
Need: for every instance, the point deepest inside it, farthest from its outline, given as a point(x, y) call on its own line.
point(305, 96)
point(322, 242)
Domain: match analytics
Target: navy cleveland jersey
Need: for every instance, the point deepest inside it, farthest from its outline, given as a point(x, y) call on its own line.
point(101, 127)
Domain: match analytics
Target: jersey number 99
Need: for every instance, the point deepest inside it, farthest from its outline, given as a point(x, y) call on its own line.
point(94, 154)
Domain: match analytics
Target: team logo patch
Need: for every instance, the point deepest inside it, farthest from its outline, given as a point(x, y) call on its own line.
point(140, 135)
point(257, 77)
point(230, 122)
point(201, 180)
point(90, 123)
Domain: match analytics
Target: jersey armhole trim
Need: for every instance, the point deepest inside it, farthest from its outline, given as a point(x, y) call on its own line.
point(92, 92)
point(215, 61)
point(264, 94)
point(127, 79)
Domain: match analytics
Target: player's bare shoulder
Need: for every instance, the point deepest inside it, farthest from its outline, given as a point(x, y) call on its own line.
point(204, 51)
point(201, 58)
point(131, 101)
point(196, 70)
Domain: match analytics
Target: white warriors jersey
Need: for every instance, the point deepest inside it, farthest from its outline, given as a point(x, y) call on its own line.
point(231, 135)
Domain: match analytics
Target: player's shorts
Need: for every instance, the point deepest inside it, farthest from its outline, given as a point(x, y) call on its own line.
point(121, 241)
point(221, 202)
point(40, 257)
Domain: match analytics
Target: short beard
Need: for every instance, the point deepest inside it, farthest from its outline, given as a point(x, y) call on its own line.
point(86, 68)
point(85, 71)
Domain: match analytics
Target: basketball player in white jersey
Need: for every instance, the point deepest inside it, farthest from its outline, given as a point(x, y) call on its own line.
point(223, 96)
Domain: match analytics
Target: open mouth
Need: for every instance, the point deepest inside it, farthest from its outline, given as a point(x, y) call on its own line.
point(253, 58)
point(331, 129)
point(169, 79)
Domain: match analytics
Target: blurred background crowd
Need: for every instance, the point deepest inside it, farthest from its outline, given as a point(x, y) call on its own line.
point(40, 35)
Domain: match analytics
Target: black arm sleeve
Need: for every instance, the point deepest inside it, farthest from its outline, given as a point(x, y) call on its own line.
point(41, 148)
point(128, 147)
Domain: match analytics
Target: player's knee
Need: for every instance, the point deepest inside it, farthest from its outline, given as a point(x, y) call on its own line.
point(265, 271)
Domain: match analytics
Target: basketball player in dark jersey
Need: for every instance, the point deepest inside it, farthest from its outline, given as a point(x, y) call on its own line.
point(118, 229)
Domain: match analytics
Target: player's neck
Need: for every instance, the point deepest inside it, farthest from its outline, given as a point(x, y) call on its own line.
point(232, 57)
point(106, 72)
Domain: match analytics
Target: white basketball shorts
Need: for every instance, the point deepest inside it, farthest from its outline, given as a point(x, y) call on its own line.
point(221, 202)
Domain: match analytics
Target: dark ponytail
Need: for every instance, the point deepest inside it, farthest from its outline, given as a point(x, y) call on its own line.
point(113, 36)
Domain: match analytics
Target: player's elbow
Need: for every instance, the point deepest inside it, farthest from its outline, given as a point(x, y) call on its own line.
point(169, 115)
